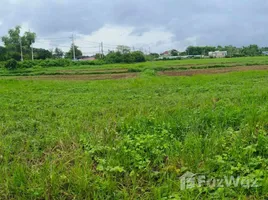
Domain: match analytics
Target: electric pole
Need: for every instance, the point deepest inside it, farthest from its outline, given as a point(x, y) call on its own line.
point(102, 55)
point(73, 47)
point(32, 52)
point(21, 53)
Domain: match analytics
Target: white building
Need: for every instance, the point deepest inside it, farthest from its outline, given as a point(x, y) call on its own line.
point(217, 54)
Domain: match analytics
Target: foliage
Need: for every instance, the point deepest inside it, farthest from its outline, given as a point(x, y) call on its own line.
point(42, 54)
point(11, 64)
point(133, 139)
point(12, 42)
point(58, 53)
point(55, 66)
point(251, 50)
point(152, 56)
point(69, 54)
point(138, 56)
point(123, 49)
point(127, 57)
point(192, 50)
point(174, 52)
point(3, 53)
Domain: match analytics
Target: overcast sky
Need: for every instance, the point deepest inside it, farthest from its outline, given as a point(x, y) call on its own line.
point(159, 24)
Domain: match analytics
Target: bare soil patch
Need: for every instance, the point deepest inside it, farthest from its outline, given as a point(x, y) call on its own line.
point(213, 70)
point(79, 77)
point(92, 71)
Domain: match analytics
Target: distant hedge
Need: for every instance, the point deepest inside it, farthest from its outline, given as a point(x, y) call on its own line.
point(54, 63)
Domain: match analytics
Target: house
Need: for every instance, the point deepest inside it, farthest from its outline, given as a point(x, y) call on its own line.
point(217, 54)
point(166, 54)
point(265, 53)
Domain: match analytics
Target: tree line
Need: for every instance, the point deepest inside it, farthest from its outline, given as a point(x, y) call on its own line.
point(14, 44)
point(251, 50)
point(19, 47)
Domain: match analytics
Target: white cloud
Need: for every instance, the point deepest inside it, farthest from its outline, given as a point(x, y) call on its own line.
point(112, 35)
point(175, 23)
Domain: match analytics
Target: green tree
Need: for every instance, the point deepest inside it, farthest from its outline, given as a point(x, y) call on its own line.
point(98, 56)
point(114, 57)
point(3, 53)
point(58, 53)
point(138, 56)
point(78, 52)
point(174, 52)
point(42, 54)
point(11, 64)
point(12, 42)
point(123, 49)
point(251, 50)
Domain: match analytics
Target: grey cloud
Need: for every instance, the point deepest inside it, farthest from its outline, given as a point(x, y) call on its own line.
point(213, 22)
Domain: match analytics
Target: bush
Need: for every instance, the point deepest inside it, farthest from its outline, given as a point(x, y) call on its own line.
point(130, 57)
point(56, 63)
point(11, 64)
point(148, 72)
point(27, 64)
point(134, 70)
point(2, 64)
point(91, 62)
point(138, 56)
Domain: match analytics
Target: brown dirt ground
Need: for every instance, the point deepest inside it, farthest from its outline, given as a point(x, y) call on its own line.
point(132, 75)
point(213, 70)
point(92, 71)
point(79, 77)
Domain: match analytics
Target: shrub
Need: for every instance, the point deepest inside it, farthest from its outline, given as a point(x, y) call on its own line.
point(11, 64)
point(148, 72)
point(27, 64)
point(56, 63)
point(134, 70)
point(2, 64)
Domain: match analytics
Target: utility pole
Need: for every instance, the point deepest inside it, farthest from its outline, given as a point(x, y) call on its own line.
point(73, 47)
point(32, 52)
point(102, 55)
point(21, 53)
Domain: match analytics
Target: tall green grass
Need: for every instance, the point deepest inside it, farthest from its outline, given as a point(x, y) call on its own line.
point(133, 139)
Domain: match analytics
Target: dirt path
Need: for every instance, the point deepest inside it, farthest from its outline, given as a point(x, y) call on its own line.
point(213, 70)
point(79, 77)
point(93, 71)
point(190, 72)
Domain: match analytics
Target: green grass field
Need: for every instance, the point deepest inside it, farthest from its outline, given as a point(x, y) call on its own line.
point(134, 138)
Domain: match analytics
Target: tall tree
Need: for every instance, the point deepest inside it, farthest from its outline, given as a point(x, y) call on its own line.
point(58, 53)
point(42, 54)
point(123, 49)
point(13, 40)
point(174, 52)
point(3, 53)
point(69, 54)
point(251, 50)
